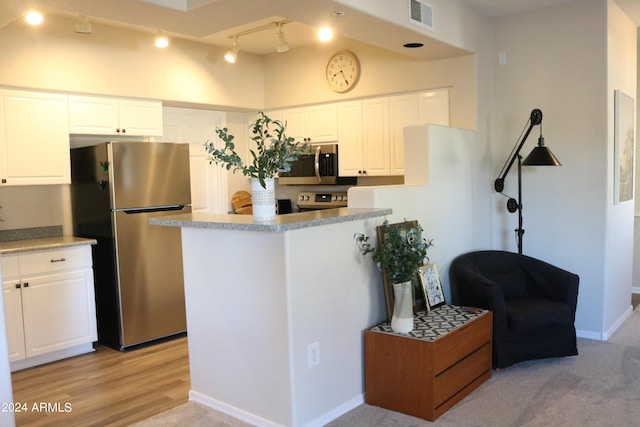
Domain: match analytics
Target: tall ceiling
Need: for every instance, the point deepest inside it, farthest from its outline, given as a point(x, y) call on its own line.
point(216, 21)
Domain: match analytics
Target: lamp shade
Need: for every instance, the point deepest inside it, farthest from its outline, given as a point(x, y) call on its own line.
point(541, 156)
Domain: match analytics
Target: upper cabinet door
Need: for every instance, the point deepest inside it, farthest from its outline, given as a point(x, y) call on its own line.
point(93, 115)
point(34, 138)
point(103, 115)
point(140, 117)
point(314, 124)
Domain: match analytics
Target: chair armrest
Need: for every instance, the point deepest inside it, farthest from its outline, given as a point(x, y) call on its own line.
point(474, 290)
point(549, 281)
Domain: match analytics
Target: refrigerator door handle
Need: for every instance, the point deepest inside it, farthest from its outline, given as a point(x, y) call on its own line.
point(154, 209)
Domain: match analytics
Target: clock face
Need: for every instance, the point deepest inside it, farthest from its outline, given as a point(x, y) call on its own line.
point(343, 71)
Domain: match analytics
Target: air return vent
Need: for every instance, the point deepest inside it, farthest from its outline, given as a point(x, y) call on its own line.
point(421, 13)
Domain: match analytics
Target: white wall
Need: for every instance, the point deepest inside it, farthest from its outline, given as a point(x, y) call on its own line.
point(298, 78)
point(557, 60)
point(438, 193)
point(622, 75)
point(119, 62)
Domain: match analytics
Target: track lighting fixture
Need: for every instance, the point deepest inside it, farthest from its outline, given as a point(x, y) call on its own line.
point(282, 45)
point(162, 41)
point(232, 55)
point(83, 26)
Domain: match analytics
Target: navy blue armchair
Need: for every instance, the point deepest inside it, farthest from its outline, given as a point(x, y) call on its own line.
point(533, 303)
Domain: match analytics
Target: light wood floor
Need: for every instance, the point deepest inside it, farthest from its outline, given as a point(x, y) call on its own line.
point(107, 387)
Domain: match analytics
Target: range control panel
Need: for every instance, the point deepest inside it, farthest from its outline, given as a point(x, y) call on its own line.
point(313, 200)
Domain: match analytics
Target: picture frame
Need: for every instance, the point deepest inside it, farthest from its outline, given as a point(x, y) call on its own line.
point(389, 296)
point(431, 286)
point(624, 147)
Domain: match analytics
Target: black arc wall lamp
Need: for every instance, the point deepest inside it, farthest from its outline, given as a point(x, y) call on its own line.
point(539, 156)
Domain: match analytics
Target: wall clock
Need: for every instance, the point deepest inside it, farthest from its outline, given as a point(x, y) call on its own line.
point(343, 71)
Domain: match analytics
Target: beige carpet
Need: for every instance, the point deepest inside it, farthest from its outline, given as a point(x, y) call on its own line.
point(600, 387)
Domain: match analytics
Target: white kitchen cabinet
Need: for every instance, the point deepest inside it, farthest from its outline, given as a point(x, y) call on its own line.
point(196, 127)
point(49, 305)
point(363, 137)
point(34, 138)
point(102, 115)
point(412, 110)
point(314, 124)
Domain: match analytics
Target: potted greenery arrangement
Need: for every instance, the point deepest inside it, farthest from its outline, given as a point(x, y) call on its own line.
point(401, 250)
point(274, 151)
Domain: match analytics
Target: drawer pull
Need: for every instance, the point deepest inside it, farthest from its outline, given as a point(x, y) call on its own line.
point(59, 260)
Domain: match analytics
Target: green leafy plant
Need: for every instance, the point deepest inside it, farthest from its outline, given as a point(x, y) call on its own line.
point(273, 154)
point(402, 250)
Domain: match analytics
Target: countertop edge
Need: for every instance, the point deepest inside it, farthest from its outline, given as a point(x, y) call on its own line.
point(291, 222)
point(47, 243)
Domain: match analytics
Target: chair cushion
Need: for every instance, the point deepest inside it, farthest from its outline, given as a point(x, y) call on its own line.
point(512, 284)
point(526, 314)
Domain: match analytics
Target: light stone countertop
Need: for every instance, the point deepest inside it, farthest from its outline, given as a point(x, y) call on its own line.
point(17, 246)
point(293, 221)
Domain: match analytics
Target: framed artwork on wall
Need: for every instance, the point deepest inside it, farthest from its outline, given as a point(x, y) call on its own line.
point(431, 286)
point(624, 146)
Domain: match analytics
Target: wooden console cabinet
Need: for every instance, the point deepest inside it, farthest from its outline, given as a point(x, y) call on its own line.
point(427, 371)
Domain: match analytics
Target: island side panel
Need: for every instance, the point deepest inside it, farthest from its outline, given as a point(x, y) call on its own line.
point(335, 296)
point(237, 323)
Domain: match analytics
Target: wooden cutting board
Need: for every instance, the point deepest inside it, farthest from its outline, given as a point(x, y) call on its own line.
point(241, 202)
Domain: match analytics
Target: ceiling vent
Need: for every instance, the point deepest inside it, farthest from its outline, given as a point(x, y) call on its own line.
point(421, 13)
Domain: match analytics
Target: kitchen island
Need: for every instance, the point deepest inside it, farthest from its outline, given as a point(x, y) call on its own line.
point(276, 312)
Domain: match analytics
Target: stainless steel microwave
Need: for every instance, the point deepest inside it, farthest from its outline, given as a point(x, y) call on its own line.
point(319, 167)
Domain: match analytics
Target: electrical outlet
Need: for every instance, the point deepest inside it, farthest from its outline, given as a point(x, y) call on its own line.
point(313, 354)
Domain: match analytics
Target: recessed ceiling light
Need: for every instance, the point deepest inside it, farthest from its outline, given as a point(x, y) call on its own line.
point(34, 18)
point(325, 34)
point(413, 45)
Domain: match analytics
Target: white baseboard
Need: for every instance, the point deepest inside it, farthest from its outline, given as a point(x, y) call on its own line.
point(337, 412)
point(628, 312)
point(261, 422)
point(230, 410)
point(604, 336)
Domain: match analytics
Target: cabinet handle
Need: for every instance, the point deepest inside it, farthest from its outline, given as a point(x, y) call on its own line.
point(17, 285)
point(58, 260)
point(4, 180)
point(26, 284)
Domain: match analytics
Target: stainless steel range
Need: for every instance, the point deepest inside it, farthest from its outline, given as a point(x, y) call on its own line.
point(311, 200)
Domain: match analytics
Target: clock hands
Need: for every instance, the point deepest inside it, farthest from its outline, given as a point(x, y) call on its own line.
point(345, 78)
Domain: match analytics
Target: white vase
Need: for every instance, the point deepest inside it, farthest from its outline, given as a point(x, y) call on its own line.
point(263, 200)
point(402, 317)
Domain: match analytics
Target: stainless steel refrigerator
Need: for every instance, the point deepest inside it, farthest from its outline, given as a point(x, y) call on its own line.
point(115, 188)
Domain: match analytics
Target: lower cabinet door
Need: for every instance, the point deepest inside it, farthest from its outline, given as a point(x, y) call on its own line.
point(13, 318)
point(58, 311)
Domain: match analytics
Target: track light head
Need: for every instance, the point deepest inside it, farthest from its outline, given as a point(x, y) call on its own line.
point(282, 45)
point(232, 55)
point(161, 41)
point(83, 26)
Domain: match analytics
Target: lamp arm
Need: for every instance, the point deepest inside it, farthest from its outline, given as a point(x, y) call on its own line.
point(534, 120)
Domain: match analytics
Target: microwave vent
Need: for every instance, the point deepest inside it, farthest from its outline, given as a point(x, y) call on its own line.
point(421, 13)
